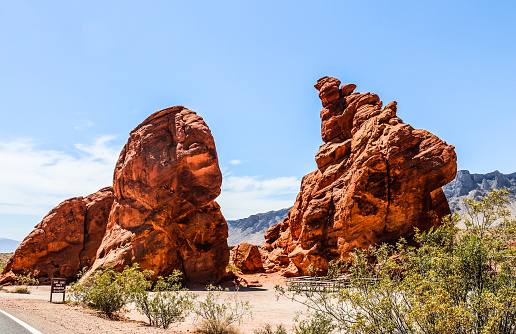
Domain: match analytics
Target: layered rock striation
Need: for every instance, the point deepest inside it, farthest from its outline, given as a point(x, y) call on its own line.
point(65, 241)
point(164, 216)
point(377, 179)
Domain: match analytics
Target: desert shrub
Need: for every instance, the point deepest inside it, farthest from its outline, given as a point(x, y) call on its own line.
point(317, 323)
point(168, 303)
point(453, 281)
point(230, 268)
point(110, 291)
point(25, 281)
point(268, 330)
point(216, 315)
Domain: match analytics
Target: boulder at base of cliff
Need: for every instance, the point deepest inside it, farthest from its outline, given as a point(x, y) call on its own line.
point(247, 257)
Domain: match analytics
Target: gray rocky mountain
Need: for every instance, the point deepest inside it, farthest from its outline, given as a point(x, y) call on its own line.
point(465, 184)
point(252, 228)
point(475, 186)
point(8, 245)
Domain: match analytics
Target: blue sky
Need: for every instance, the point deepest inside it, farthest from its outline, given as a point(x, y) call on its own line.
point(76, 78)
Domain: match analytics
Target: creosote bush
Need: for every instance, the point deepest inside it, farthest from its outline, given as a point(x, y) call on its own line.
point(168, 303)
point(110, 291)
point(216, 315)
point(460, 282)
point(317, 323)
point(25, 281)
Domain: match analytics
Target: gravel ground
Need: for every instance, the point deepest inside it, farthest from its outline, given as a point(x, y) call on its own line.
point(36, 310)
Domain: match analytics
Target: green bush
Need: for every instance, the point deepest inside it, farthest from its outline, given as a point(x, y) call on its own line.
point(25, 281)
point(168, 303)
point(268, 330)
point(216, 315)
point(317, 323)
point(110, 291)
point(460, 282)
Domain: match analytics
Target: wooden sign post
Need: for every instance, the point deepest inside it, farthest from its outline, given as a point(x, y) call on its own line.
point(57, 285)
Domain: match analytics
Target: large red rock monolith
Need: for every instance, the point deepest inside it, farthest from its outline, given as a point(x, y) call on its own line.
point(164, 216)
point(377, 179)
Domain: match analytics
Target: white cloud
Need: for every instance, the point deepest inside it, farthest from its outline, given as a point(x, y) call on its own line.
point(236, 162)
point(34, 180)
point(243, 196)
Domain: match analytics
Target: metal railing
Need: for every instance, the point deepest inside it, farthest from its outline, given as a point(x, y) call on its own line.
point(307, 283)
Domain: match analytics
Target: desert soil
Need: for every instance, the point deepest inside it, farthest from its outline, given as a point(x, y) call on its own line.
point(36, 310)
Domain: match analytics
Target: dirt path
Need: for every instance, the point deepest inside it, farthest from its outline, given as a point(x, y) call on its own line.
point(50, 318)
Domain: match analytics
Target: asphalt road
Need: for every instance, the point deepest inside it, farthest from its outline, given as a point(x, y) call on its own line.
point(9, 326)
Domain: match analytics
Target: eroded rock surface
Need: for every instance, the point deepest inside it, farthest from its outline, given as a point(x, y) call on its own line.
point(377, 179)
point(65, 241)
point(164, 216)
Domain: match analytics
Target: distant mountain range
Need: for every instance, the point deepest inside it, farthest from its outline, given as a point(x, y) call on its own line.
point(475, 186)
point(465, 184)
point(252, 228)
point(8, 245)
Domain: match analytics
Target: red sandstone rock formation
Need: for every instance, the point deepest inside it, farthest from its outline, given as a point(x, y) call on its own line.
point(65, 241)
point(164, 216)
point(247, 257)
point(377, 179)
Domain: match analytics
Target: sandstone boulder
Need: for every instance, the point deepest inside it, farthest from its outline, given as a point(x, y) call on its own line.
point(65, 241)
point(164, 216)
point(247, 257)
point(377, 179)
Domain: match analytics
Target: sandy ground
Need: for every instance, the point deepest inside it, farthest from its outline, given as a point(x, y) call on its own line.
point(36, 310)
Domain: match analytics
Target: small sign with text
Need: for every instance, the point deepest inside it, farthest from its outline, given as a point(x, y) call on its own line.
point(57, 285)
